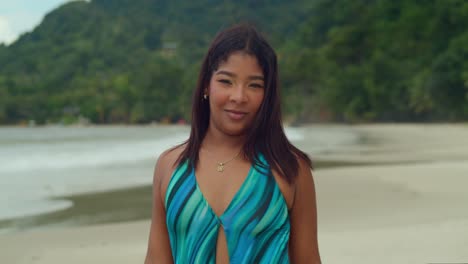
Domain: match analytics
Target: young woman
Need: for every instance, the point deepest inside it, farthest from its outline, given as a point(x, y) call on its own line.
point(237, 191)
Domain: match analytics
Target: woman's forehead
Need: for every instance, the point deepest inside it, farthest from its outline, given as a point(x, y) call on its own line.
point(240, 61)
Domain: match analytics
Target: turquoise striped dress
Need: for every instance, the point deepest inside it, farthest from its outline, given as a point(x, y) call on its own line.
point(256, 222)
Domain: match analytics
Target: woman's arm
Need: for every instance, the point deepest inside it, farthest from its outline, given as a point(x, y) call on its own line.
point(159, 248)
point(303, 243)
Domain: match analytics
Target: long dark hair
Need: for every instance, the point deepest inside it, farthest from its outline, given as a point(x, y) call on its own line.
point(266, 135)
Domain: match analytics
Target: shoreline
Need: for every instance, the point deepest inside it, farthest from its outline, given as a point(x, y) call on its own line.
point(374, 148)
point(397, 197)
point(105, 207)
point(89, 209)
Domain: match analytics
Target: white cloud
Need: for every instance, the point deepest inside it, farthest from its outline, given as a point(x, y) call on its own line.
point(7, 35)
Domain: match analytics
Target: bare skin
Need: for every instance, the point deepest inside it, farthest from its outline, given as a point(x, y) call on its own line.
point(235, 94)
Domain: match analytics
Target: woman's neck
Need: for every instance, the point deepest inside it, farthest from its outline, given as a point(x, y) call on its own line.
point(217, 141)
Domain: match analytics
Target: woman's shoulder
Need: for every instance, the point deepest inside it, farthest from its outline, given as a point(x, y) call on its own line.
point(169, 157)
point(165, 166)
point(303, 161)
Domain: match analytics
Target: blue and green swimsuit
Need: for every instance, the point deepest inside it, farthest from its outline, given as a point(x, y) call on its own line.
point(256, 222)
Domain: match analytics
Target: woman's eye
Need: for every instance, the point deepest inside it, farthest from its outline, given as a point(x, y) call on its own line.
point(256, 85)
point(224, 81)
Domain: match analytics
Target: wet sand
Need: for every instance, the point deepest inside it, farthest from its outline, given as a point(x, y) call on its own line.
point(397, 195)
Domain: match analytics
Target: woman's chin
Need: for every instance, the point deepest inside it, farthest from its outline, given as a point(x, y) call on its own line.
point(235, 131)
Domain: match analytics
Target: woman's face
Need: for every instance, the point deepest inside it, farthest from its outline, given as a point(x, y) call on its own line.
point(236, 91)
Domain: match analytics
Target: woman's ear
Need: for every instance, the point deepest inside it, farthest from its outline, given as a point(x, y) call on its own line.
point(205, 93)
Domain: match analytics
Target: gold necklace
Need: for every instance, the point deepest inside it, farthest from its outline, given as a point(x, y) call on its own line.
point(220, 167)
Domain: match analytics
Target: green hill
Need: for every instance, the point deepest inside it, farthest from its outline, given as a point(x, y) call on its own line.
point(390, 60)
point(122, 61)
point(137, 61)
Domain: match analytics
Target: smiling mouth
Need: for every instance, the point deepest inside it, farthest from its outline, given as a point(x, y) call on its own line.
point(236, 115)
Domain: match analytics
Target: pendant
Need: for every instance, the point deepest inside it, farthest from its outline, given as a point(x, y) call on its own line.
point(220, 167)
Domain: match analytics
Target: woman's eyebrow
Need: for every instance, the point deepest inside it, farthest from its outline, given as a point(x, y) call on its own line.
point(256, 77)
point(231, 74)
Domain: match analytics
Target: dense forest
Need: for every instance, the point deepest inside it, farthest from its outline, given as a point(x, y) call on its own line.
point(137, 61)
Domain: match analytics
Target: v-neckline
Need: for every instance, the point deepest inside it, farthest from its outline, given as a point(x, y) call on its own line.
point(197, 186)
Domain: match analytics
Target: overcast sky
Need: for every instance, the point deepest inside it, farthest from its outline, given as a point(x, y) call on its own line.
point(20, 16)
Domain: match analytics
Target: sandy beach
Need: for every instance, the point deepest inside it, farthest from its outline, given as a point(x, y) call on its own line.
point(398, 194)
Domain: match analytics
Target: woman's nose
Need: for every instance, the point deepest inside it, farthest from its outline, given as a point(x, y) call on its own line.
point(239, 94)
